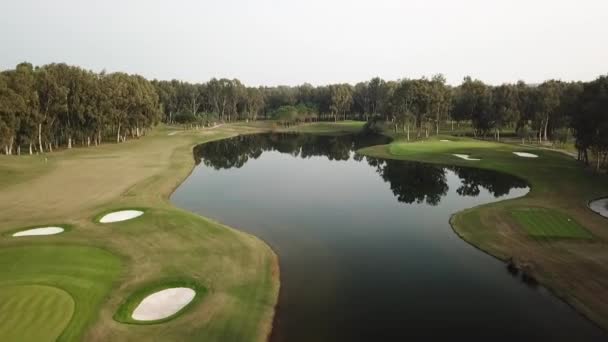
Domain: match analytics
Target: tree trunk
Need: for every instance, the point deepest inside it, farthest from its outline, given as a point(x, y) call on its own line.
point(498, 134)
point(69, 142)
point(597, 167)
point(40, 137)
point(408, 132)
point(31, 149)
point(18, 150)
point(546, 126)
point(118, 134)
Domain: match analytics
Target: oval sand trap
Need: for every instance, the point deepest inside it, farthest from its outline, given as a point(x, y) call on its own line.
point(122, 215)
point(525, 154)
point(445, 140)
point(163, 304)
point(465, 157)
point(600, 206)
point(39, 231)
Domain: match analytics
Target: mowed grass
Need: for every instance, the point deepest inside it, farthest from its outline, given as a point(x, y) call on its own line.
point(547, 223)
point(71, 282)
point(34, 313)
point(103, 265)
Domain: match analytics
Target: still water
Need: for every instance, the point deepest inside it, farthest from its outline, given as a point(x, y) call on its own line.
point(365, 247)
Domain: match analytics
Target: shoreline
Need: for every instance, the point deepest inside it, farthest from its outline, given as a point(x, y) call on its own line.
point(497, 249)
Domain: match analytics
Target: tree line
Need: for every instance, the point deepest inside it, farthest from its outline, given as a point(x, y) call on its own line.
point(550, 111)
point(56, 105)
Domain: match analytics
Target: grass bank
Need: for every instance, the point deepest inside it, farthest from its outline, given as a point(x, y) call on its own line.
point(576, 269)
point(100, 266)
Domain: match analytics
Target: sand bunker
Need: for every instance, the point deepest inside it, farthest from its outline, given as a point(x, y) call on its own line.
point(464, 156)
point(600, 206)
point(445, 140)
point(163, 304)
point(172, 133)
point(40, 231)
point(122, 215)
point(525, 154)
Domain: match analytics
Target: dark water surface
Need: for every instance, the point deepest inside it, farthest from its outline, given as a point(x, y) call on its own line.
point(366, 251)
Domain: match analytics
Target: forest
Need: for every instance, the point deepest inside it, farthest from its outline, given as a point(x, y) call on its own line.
point(60, 106)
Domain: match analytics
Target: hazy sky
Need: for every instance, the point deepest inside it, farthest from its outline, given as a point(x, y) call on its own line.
point(317, 41)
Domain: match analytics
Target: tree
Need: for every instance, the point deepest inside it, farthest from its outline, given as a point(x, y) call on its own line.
point(549, 93)
point(591, 125)
point(503, 108)
point(473, 101)
point(341, 100)
point(402, 102)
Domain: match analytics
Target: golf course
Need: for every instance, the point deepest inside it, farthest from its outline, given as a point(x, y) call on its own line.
point(76, 285)
point(85, 282)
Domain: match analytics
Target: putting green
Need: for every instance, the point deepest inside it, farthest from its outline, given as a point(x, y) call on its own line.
point(86, 273)
point(542, 222)
point(33, 312)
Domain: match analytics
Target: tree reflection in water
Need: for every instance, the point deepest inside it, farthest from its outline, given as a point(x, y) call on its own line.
point(409, 181)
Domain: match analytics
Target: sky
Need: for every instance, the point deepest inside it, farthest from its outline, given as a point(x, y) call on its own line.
point(290, 42)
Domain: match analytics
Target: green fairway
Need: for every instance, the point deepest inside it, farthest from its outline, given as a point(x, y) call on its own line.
point(83, 273)
point(541, 222)
point(239, 272)
point(34, 313)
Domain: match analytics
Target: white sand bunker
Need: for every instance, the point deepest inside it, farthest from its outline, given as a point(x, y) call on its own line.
point(163, 304)
point(122, 215)
point(173, 133)
point(525, 154)
point(464, 156)
point(445, 140)
point(40, 231)
point(600, 206)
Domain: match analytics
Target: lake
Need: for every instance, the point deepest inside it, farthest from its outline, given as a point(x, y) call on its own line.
point(365, 247)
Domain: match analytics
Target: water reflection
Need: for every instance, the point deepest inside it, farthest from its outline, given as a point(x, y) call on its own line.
point(365, 247)
point(410, 182)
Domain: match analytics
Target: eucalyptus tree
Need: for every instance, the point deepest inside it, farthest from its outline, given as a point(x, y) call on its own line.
point(11, 105)
point(440, 99)
point(591, 123)
point(341, 100)
point(504, 108)
point(362, 100)
point(473, 101)
point(378, 96)
point(52, 97)
point(402, 104)
point(549, 93)
point(254, 103)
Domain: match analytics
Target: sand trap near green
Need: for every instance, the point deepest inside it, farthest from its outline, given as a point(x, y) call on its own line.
point(122, 215)
point(465, 157)
point(600, 206)
point(163, 304)
point(39, 231)
point(525, 154)
point(34, 312)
